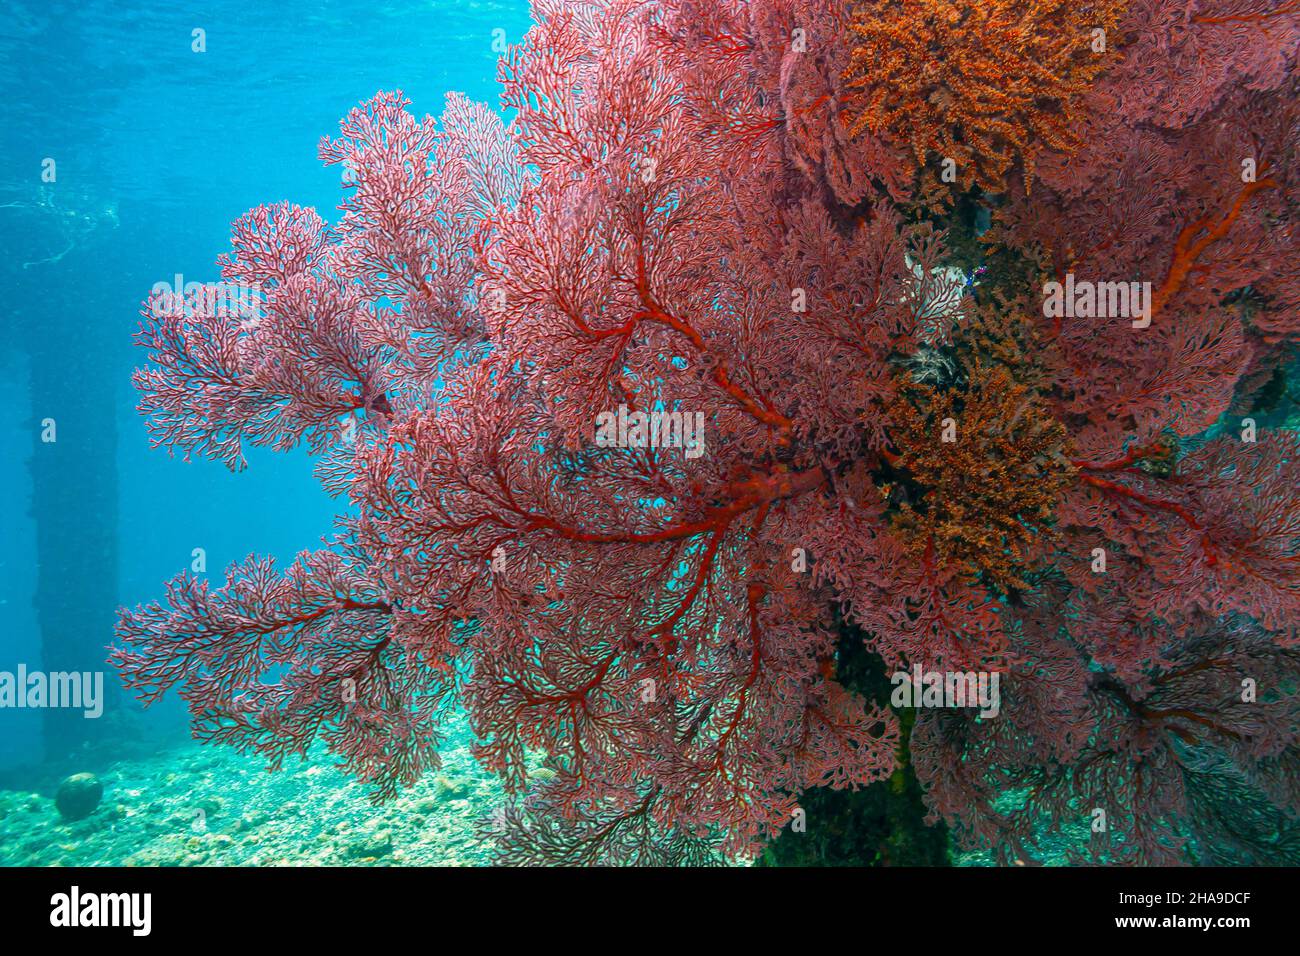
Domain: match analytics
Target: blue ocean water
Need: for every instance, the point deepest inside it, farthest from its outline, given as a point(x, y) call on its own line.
point(155, 149)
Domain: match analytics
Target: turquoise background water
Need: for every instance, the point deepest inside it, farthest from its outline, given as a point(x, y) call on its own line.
point(158, 148)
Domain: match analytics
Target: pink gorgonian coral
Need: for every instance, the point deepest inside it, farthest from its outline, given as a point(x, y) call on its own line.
point(676, 223)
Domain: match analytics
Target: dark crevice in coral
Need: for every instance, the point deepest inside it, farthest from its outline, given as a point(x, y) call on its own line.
point(880, 825)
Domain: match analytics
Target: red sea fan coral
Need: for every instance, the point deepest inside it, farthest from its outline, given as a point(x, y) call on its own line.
point(623, 401)
point(324, 633)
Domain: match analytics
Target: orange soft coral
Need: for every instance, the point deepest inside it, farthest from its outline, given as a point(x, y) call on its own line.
point(989, 462)
point(981, 83)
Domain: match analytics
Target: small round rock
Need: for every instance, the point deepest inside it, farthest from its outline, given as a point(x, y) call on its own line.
point(78, 796)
